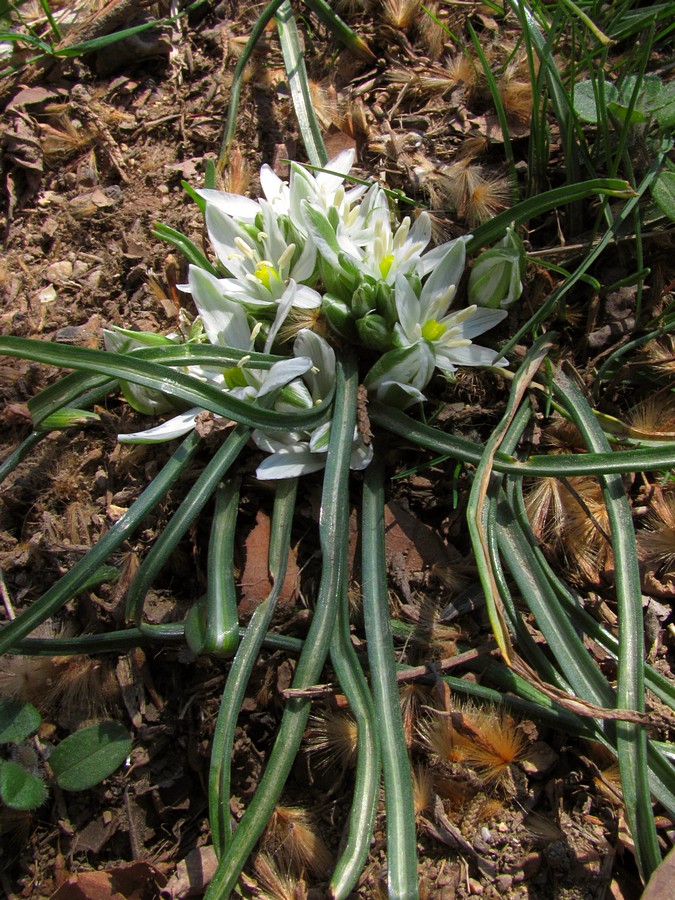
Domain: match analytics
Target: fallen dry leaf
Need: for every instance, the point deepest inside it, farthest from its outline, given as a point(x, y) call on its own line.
point(135, 881)
point(255, 583)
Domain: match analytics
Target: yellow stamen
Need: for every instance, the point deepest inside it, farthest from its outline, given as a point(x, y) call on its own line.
point(386, 264)
point(432, 330)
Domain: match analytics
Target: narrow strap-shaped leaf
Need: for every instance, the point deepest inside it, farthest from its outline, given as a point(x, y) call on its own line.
point(212, 625)
point(340, 29)
point(402, 874)
point(369, 762)
point(134, 368)
point(257, 30)
point(242, 666)
point(109, 641)
point(544, 202)
point(551, 466)
point(298, 82)
point(631, 738)
point(195, 500)
point(334, 533)
point(20, 453)
point(477, 509)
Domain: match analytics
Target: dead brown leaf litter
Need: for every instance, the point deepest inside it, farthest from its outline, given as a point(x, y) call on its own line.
point(91, 158)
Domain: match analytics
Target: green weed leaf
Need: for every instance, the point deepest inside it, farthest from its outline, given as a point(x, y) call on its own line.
point(91, 754)
point(20, 789)
point(585, 100)
point(18, 719)
point(663, 192)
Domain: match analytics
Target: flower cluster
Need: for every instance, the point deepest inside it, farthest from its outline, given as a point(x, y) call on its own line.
point(310, 260)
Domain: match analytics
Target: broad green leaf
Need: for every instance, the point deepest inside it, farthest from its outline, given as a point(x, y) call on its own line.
point(585, 99)
point(20, 789)
point(91, 754)
point(18, 719)
point(663, 192)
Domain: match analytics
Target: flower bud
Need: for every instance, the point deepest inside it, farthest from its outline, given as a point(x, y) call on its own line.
point(373, 332)
point(339, 316)
point(363, 300)
point(495, 279)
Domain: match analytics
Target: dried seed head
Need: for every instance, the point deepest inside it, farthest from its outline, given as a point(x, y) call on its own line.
point(332, 739)
point(489, 197)
point(275, 884)
point(72, 689)
point(654, 417)
point(401, 14)
point(290, 837)
point(237, 177)
point(482, 738)
point(657, 539)
point(423, 790)
point(515, 91)
point(432, 35)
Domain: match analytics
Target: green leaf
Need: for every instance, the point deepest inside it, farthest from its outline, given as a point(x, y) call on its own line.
point(663, 192)
point(585, 99)
point(91, 754)
point(20, 789)
point(18, 719)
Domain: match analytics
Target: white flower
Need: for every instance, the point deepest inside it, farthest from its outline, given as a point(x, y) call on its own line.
point(301, 452)
point(322, 189)
point(426, 318)
point(226, 325)
point(262, 261)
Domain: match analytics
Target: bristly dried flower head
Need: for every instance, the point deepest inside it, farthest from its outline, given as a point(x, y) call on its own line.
point(545, 507)
point(586, 528)
point(276, 885)
point(423, 790)
point(488, 198)
point(658, 357)
point(432, 34)
point(332, 739)
point(657, 540)
point(466, 188)
point(463, 70)
point(401, 14)
point(486, 739)
point(291, 838)
point(515, 90)
point(414, 698)
point(238, 175)
point(73, 689)
point(654, 417)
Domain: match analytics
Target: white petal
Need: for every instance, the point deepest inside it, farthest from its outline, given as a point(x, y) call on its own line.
point(290, 463)
point(448, 272)
point(283, 372)
point(284, 307)
point(222, 233)
point(231, 204)
point(471, 355)
point(176, 427)
point(362, 456)
point(408, 309)
point(225, 322)
point(275, 190)
point(479, 321)
point(321, 377)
